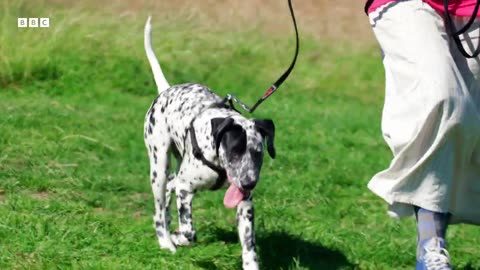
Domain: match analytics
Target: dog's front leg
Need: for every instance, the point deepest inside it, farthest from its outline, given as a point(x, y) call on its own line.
point(186, 233)
point(245, 223)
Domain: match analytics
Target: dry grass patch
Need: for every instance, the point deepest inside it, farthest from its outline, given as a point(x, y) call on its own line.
point(42, 195)
point(333, 21)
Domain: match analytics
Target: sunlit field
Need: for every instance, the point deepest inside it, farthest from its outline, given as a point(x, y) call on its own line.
point(74, 176)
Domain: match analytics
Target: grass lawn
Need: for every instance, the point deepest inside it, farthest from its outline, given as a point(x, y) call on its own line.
point(74, 184)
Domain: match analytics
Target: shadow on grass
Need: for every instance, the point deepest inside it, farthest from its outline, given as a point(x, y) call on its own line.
point(468, 267)
point(280, 250)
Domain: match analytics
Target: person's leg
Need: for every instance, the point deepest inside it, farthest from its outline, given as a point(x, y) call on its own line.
point(430, 225)
point(421, 121)
point(431, 230)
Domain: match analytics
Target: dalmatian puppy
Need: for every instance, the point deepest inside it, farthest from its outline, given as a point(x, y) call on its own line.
point(214, 146)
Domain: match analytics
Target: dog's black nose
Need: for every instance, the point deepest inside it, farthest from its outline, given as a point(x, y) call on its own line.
point(249, 186)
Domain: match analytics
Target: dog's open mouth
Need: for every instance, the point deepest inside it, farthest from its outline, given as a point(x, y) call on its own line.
point(234, 194)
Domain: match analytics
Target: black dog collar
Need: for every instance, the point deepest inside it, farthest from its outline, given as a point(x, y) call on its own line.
point(198, 154)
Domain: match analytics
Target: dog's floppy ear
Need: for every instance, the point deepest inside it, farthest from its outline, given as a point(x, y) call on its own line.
point(219, 127)
point(267, 129)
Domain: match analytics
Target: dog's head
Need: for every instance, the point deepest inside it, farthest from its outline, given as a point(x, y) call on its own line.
point(240, 148)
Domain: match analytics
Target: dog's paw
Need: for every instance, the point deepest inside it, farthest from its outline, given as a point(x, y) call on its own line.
point(167, 244)
point(183, 239)
point(250, 261)
point(250, 266)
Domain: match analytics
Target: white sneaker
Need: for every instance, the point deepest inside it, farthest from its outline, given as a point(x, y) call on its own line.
point(434, 256)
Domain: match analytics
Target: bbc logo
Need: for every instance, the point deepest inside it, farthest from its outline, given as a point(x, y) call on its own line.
point(33, 22)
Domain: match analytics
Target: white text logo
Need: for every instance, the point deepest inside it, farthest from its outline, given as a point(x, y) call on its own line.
point(33, 22)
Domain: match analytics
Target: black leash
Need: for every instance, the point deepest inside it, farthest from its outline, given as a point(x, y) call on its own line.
point(232, 98)
point(367, 6)
point(451, 27)
point(197, 151)
point(456, 34)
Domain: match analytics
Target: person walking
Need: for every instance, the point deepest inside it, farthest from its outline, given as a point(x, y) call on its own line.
point(431, 117)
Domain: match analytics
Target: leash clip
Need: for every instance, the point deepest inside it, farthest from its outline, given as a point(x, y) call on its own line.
point(232, 98)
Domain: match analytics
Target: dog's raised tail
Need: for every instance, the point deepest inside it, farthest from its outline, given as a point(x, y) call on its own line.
point(160, 80)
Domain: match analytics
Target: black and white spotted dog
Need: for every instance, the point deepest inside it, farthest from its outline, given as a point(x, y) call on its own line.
point(214, 145)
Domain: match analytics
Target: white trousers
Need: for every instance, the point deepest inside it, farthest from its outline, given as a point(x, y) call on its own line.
point(431, 118)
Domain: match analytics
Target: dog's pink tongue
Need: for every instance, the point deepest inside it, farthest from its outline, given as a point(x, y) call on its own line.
point(233, 196)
